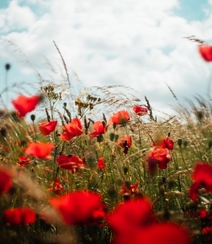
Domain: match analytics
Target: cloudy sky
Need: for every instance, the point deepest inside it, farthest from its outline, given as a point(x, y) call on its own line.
point(134, 43)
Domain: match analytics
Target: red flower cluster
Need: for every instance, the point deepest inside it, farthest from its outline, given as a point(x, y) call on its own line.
point(207, 230)
point(134, 222)
point(101, 163)
point(99, 129)
point(205, 220)
point(24, 105)
point(71, 162)
point(47, 127)
point(202, 176)
point(206, 52)
point(56, 187)
point(80, 207)
point(165, 143)
point(39, 150)
point(158, 156)
point(125, 142)
point(140, 110)
point(74, 128)
point(129, 190)
point(119, 118)
point(6, 177)
point(20, 216)
point(23, 161)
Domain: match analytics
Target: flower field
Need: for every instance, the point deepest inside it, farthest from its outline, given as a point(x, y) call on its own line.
point(104, 169)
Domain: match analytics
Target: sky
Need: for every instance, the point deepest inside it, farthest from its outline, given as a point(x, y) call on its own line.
point(138, 44)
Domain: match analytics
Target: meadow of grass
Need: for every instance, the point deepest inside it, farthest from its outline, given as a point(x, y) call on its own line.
point(101, 168)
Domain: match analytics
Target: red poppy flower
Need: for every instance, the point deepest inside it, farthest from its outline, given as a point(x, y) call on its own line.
point(119, 118)
point(158, 156)
point(56, 187)
point(164, 233)
point(133, 222)
point(19, 216)
point(80, 207)
point(99, 129)
point(131, 215)
point(165, 143)
point(101, 163)
point(74, 128)
point(23, 161)
point(125, 142)
point(5, 179)
point(24, 105)
point(71, 162)
point(39, 150)
point(131, 189)
point(206, 52)
point(202, 213)
point(47, 127)
point(207, 230)
point(202, 177)
point(140, 110)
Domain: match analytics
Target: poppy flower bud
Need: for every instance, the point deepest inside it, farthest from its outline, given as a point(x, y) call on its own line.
point(210, 144)
point(100, 138)
point(185, 144)
point(116, 137)
point(114, 126)
point(3, 132)
point(179, 142)
point(32, 117)
point(125, 169)
point(112, 136)
point(112, 192)
point(7, 67)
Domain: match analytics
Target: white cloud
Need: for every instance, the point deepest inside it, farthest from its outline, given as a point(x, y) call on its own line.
point(133, 43)
point(15, 18)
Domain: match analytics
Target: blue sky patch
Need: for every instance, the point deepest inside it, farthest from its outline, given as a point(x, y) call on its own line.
point(192, 9)
point(4, 3)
